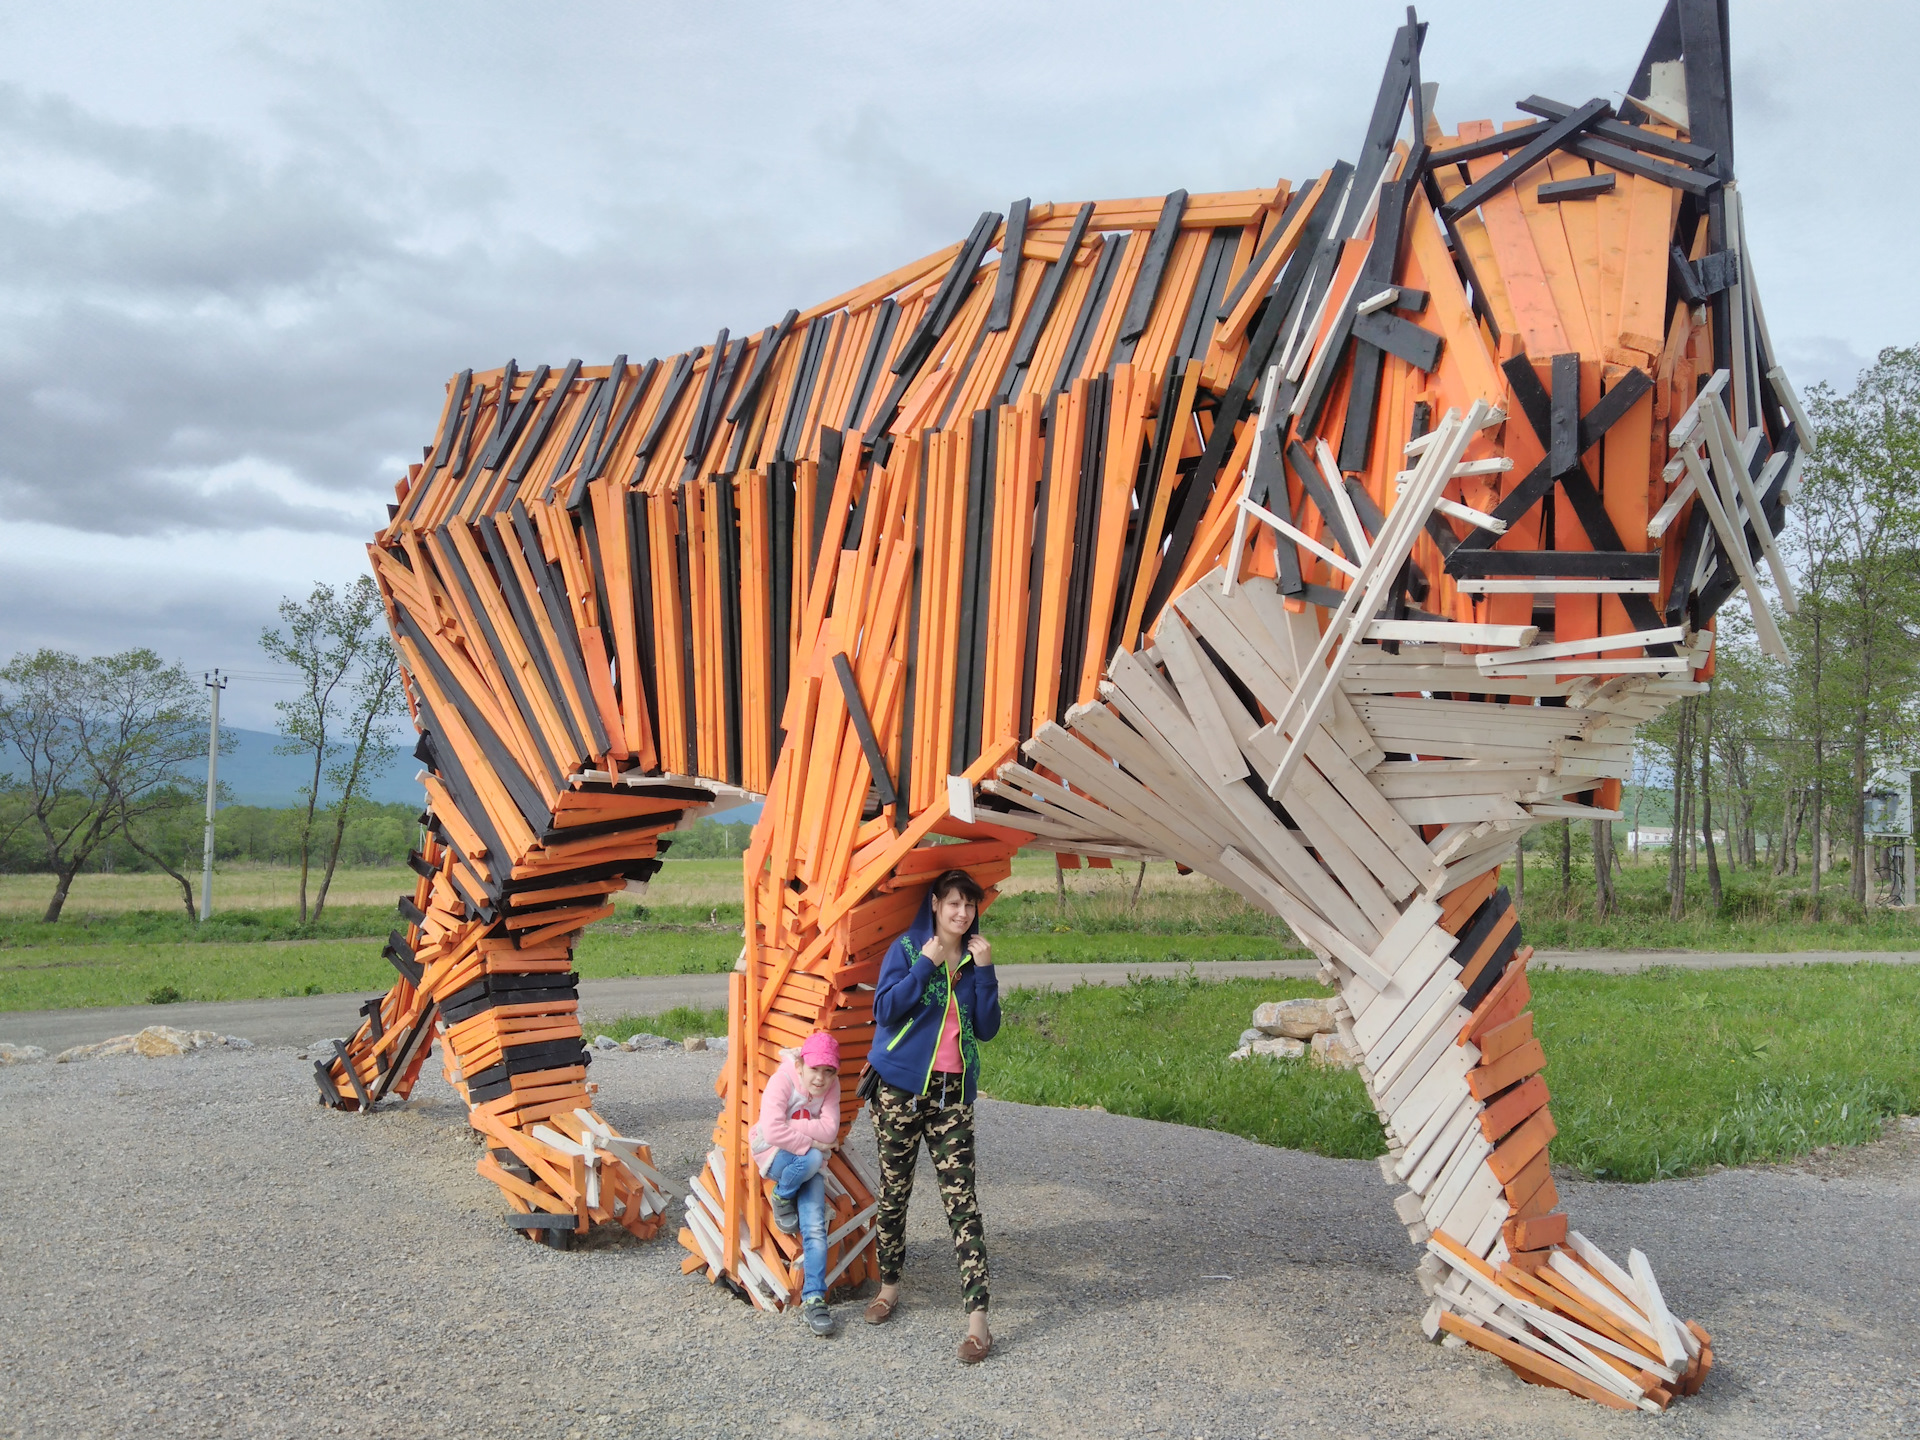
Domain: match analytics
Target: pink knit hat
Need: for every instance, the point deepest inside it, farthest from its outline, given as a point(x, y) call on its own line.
point(821, 1049)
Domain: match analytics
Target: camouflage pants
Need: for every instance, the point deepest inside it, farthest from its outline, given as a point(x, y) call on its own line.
point(900, 1119)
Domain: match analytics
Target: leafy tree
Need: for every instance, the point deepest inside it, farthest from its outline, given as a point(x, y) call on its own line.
point(105, 745)
point(1859, 528)
point(350, 691)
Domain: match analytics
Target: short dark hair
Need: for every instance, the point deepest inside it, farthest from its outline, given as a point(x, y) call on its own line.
point(951, 880)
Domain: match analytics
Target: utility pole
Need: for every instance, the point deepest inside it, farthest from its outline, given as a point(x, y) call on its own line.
point(216, 682)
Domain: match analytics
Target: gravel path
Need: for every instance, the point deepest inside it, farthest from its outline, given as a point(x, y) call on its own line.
point(194, 1248)
point(300, 1019)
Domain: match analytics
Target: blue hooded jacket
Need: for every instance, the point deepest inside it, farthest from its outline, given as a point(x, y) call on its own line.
point(910, 1004)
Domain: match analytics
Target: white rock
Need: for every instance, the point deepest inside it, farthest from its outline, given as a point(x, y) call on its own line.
point(1241, 1054)
point(20, 1054)
point(1299, 1019)
point(98, 1050)
point(1250, 1034)
point(1333, 1051)
point(1279, 1047)
point(605, 1042)
point(159, 1041)
point(234, 1042)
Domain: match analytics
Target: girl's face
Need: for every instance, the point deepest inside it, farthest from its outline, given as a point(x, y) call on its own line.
point(817, 1078)
point(954, 913)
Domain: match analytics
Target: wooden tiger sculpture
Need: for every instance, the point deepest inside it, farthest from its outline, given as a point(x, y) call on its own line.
point(1322, 538)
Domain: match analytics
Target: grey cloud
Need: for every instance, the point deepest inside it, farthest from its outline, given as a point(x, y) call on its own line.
point(228, 302)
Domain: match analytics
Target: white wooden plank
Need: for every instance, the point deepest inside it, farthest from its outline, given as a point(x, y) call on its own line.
point(1442, 1016)
point(1221, 755)
point(1454, 1176)
point(1437, 1045)
point(1446, 1077)
point(1439, 1143)
point(1449, 632)
point(1672, 1352)
point(1549, 585)
point(1482, 1192)
point(1665, 635)
point(1454, 809)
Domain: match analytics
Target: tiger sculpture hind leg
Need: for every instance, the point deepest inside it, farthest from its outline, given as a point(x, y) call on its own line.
point(1321, 538)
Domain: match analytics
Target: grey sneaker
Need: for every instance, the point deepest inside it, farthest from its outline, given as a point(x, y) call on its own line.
point(786, 1215)
point(819, 1317)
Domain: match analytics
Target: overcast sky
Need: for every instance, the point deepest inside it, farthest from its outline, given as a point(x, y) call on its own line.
point(242, 247)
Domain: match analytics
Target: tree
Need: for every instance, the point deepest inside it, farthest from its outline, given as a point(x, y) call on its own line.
point(349, 690)
point(105, 744)
point(1861, 524)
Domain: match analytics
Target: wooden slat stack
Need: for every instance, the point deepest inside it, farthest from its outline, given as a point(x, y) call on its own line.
point(1322, 538)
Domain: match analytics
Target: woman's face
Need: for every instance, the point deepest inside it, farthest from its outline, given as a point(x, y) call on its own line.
point(954, 911)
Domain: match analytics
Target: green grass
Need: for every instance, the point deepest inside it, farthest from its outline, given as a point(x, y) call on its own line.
point(676, 1024)
point(58, 978)
point(171, 927)
point(1757, 912)
point(1653, 1075)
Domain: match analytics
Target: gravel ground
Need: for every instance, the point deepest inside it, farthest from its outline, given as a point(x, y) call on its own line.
point(194, 1248)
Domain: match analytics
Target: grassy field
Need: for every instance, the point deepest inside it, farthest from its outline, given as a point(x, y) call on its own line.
point(122, 939)
point(1653, 1075)
point(249, 887)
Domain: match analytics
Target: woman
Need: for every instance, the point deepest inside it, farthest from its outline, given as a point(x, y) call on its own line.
point(936, 998)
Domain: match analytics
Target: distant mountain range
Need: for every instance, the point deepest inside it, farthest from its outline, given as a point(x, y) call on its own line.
point(254, 774)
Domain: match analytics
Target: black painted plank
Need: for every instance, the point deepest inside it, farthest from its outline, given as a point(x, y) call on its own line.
point(863, 727)
point(771, 340)
point(1679, 177)
point(1415, 344)
point(1516, 165)
point(1632, 136)
point(603, 443)
point(1576, 564)
point(508, 581)
point(1239, 288)
point(553, 596)
point(1006, 282)
point(1563, 430)
point(884, 321)
point(676, 386)
point(1146, 284)
point(1091, 308)
point(511, 672)
point(1586, 187)
point(1043, 302)
point(1703, 52)
point(537, 433)
point(640, 566)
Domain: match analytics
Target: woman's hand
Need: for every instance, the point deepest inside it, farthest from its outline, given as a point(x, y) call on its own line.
point(981, 950)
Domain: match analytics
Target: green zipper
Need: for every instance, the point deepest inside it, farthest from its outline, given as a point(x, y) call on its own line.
point(953, 1002)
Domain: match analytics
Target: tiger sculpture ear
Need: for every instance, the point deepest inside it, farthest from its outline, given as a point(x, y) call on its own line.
point(1264, 532)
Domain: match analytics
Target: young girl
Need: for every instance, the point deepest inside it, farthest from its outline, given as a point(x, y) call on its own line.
point(799, 1127)
point(936, 996)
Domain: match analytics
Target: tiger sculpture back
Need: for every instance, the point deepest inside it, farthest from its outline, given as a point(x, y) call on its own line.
point(1322, 538)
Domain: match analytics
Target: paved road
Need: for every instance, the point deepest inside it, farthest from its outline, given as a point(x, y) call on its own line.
point(304, 1018)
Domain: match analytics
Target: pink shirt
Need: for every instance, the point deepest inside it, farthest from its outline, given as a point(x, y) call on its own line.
point(946, 1055)
point(791, 1119)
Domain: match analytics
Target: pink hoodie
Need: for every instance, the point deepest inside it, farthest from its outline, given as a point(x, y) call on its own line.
point(786, 1118)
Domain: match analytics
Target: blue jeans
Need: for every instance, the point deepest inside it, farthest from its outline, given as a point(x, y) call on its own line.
point(798, 1178)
